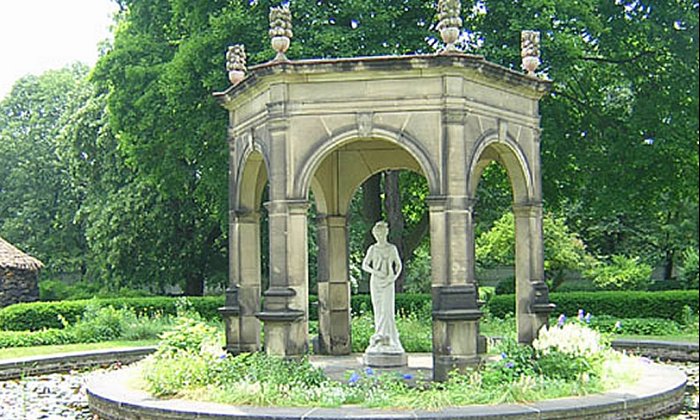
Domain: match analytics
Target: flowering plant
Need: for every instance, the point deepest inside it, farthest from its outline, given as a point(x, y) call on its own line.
point(571, 339)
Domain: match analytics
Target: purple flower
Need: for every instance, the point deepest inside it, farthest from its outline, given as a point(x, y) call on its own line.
point(561, 320)
point(581, 314)
point(504, 356)
point(369, 371)
point(353, 378)
point(407, 376)
point(223, 356)
point(510, 365)
point(587, 318)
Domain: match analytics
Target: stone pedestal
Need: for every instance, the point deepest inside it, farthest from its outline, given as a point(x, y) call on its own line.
point(385, 359)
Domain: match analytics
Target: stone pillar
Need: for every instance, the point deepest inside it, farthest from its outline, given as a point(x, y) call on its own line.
point(532, 306)
point(455, 310)
point(333, 286)
point(243, 294)
point(285, 308)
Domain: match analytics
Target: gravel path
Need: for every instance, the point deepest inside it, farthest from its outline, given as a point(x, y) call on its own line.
point(62, 396)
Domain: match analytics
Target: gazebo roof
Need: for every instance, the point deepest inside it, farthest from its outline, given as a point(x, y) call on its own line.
point(11, 257)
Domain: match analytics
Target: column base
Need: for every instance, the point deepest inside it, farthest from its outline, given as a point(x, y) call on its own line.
point(443, 365)
point(385, 360)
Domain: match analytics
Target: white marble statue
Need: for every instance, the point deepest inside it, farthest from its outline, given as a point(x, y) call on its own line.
point(383, 263)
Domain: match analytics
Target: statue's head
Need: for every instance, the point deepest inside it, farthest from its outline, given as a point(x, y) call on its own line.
point(380, 230)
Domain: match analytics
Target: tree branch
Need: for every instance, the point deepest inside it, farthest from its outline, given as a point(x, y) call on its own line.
point(618, 60)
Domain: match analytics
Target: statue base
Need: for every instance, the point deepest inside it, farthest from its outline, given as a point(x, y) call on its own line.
point(385, 360)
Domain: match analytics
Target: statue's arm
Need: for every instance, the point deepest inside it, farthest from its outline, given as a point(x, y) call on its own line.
point(366, 261)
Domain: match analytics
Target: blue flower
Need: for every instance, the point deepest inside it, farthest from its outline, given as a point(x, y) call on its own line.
point(369, 371)
point(561, 320)
point(504, 356)
point(353, 378)
point(580, 314)
point(223, 356)
point(407, 376)
point(510, 365)
point(618, 325)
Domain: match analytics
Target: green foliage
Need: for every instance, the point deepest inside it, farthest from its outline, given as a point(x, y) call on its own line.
point(621, 273)
point(37, 202)
point(689, 274)
point(505, 286)
point(52, 290)
point(633, 304)
point(415, 332)
point(202, 372)
point(617, 68)
point(45, 337)
point(96, 324)
point(563, 250)
point(39, 315)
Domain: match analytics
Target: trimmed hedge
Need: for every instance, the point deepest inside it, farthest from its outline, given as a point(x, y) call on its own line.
point(666, 305)
point(36, 316)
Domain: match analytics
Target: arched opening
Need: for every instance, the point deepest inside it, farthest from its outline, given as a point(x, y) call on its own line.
point(504, 155)
point(336, 183)
point(246, 257)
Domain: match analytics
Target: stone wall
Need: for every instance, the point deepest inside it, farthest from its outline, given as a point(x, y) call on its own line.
point(18, 286)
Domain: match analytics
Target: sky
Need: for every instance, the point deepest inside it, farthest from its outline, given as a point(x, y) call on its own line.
point(38, 35)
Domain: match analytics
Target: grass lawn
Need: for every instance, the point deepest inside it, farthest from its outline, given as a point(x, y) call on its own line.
point(14, 352)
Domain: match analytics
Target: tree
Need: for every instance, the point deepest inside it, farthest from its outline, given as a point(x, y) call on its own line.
point(620, 128)
point(563, 250)
point(37, 201)
point(167, 58)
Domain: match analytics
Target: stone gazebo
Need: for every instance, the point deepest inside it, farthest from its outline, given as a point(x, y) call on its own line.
point(18, 275)
point(325, 126)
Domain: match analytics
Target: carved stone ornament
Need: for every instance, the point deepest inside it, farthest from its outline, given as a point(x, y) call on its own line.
point(235, 63)
point(530, 51)
point(449, 23)
point(280, 30)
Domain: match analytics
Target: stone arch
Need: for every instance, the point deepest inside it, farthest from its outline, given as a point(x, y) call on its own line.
point(404, 141)
point(507, 152)
point(247, 182)
point(532, 302)
point(250, 179)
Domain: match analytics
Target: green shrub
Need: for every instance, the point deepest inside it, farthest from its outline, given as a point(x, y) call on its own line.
point(506, 286)
point(52, 290)
point(41, 315)
point(689, 274)
point(621, 273)
point(46, 337)
point(633, 304)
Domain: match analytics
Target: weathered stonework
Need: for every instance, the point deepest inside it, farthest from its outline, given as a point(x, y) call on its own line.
point(326, 126)
point(18, 275)
point(18, 286)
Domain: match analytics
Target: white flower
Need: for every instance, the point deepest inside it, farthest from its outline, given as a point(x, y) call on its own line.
point(573, 339)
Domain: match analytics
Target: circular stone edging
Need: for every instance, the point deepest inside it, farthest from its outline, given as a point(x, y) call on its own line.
point(659, 391)
point(64, 362)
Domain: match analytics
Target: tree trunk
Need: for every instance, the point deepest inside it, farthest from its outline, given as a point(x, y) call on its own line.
point(371, 205)
point(392, 205)
point(194, 285)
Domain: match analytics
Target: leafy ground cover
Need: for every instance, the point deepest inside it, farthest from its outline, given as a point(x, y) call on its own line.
point(567, 360)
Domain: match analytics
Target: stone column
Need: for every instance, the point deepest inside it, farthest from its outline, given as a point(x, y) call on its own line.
point(285, 308)
point(333, 286)
point(243, 295)
point(455, 310)
point(532, 306)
